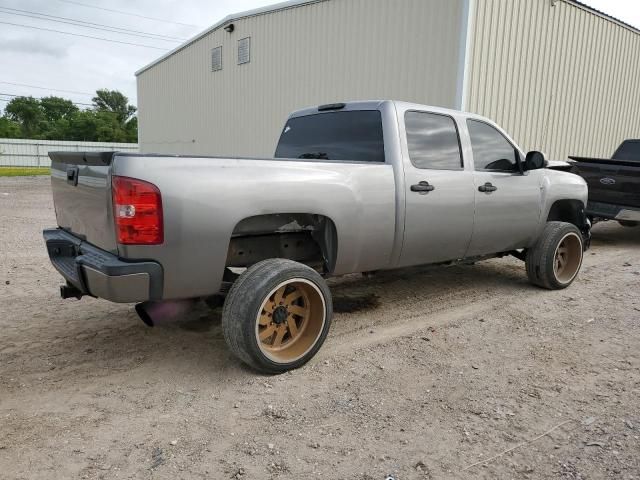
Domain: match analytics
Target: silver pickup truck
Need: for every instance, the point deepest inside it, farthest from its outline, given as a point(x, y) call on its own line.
point(353, 188)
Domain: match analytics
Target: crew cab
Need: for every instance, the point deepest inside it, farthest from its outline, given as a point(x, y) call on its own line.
point(614, 184)
point(354, 188)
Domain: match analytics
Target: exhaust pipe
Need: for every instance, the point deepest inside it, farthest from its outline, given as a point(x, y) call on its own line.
point(142, 309)
point(69, 291)
point(153, 312)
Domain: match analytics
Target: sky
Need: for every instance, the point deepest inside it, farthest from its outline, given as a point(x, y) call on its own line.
point(75, 67)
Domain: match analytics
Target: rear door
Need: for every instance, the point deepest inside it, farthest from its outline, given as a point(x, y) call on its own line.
point(507, 201)
point(439, 192)
point(82, 196)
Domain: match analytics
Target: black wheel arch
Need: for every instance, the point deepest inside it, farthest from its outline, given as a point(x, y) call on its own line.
point(573, 212)
point(307, 238)
point(568, 211)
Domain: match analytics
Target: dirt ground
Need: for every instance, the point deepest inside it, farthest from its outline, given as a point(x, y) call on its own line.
point(437, 371)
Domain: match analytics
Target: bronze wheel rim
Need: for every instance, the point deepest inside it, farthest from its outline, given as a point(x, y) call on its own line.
point(290, 320)
point(568, 258)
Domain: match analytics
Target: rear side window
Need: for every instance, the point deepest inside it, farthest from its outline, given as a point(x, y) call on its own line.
point(433, 141)
point(629, 150)
point(491, 150)
point(355, 136)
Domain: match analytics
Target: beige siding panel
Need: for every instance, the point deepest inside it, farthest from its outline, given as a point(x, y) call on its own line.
point(335, 50)
point(560, 79)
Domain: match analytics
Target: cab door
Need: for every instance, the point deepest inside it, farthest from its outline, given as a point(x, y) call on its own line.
point(507, 200)
point(439, 195)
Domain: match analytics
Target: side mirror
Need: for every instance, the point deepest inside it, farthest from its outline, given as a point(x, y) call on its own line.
point(535, 161)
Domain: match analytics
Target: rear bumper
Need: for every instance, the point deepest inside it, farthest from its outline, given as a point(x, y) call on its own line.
point(629, 214)
point(97, 273)
point(613, 212)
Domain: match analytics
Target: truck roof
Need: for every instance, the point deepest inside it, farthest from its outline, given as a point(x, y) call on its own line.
point(378, 104)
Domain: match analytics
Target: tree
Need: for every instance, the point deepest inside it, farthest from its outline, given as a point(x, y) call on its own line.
point(96, 126)
point(28, 112)
point(115, 102)
point(9, 128)
point(131, 129)
point(109, 128)
point(53, 118)
point(55, 108)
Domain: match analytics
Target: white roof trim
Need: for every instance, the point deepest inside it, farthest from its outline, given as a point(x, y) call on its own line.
point(228, 19)
point(606, 16)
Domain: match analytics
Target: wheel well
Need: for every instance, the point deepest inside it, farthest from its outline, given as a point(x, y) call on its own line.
point(570, 211)
point(306, 238)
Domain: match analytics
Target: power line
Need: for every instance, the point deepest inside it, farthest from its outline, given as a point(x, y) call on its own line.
point(81, 35)
point(84, 24)
point(12, 96)
point(27, 13)
point(75, 24)
point(8, 100)
point(128, 13)
point(82, 105)
point(45, 88)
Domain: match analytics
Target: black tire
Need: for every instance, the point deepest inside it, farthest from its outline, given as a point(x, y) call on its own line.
point(544, 259)
point(253, 310)
point(629, 224)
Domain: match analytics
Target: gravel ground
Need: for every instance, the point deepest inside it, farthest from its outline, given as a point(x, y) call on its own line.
point(427, 373)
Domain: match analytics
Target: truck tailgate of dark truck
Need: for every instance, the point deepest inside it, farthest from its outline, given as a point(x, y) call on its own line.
point(614, 184)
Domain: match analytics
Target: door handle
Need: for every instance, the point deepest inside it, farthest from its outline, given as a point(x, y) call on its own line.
point(487, 188)
point(422, 187)
point(72, 175)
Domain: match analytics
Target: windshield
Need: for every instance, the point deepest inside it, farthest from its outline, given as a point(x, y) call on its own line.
point(348, 135)
point(629, 150)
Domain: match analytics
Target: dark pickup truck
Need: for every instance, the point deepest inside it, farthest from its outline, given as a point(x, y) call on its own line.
point(614, 184)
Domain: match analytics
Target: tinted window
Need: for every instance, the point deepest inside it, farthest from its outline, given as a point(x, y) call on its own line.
point(491, 151)
point(353, 136)
point(629, 150)
point(433, 141)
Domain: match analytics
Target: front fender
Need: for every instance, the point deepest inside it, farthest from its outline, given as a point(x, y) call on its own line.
point(558, 186)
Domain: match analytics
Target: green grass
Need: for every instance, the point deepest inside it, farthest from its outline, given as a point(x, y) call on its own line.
point(23, 171)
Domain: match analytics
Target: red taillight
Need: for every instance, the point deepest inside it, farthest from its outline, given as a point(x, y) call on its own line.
point(137, 209)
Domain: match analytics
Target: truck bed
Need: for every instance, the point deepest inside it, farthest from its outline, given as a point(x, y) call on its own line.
point(205, 199)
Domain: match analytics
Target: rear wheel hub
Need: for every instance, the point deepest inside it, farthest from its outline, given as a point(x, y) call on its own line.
point(291, 320)
point(280, 315)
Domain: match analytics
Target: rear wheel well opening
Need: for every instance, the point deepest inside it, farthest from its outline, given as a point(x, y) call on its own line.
point(305, 238)
point(569, 211)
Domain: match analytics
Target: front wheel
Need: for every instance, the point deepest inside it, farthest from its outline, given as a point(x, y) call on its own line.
point(554, 262)
point(277, 315)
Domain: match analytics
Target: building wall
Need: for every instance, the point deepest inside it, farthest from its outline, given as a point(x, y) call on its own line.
point(35, 153)
point(560, 79)
point(332, 50)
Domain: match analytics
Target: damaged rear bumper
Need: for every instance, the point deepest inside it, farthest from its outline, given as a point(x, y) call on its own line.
point(89, 270)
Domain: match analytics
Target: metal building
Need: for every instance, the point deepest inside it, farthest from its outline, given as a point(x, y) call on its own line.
point(559, 76)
